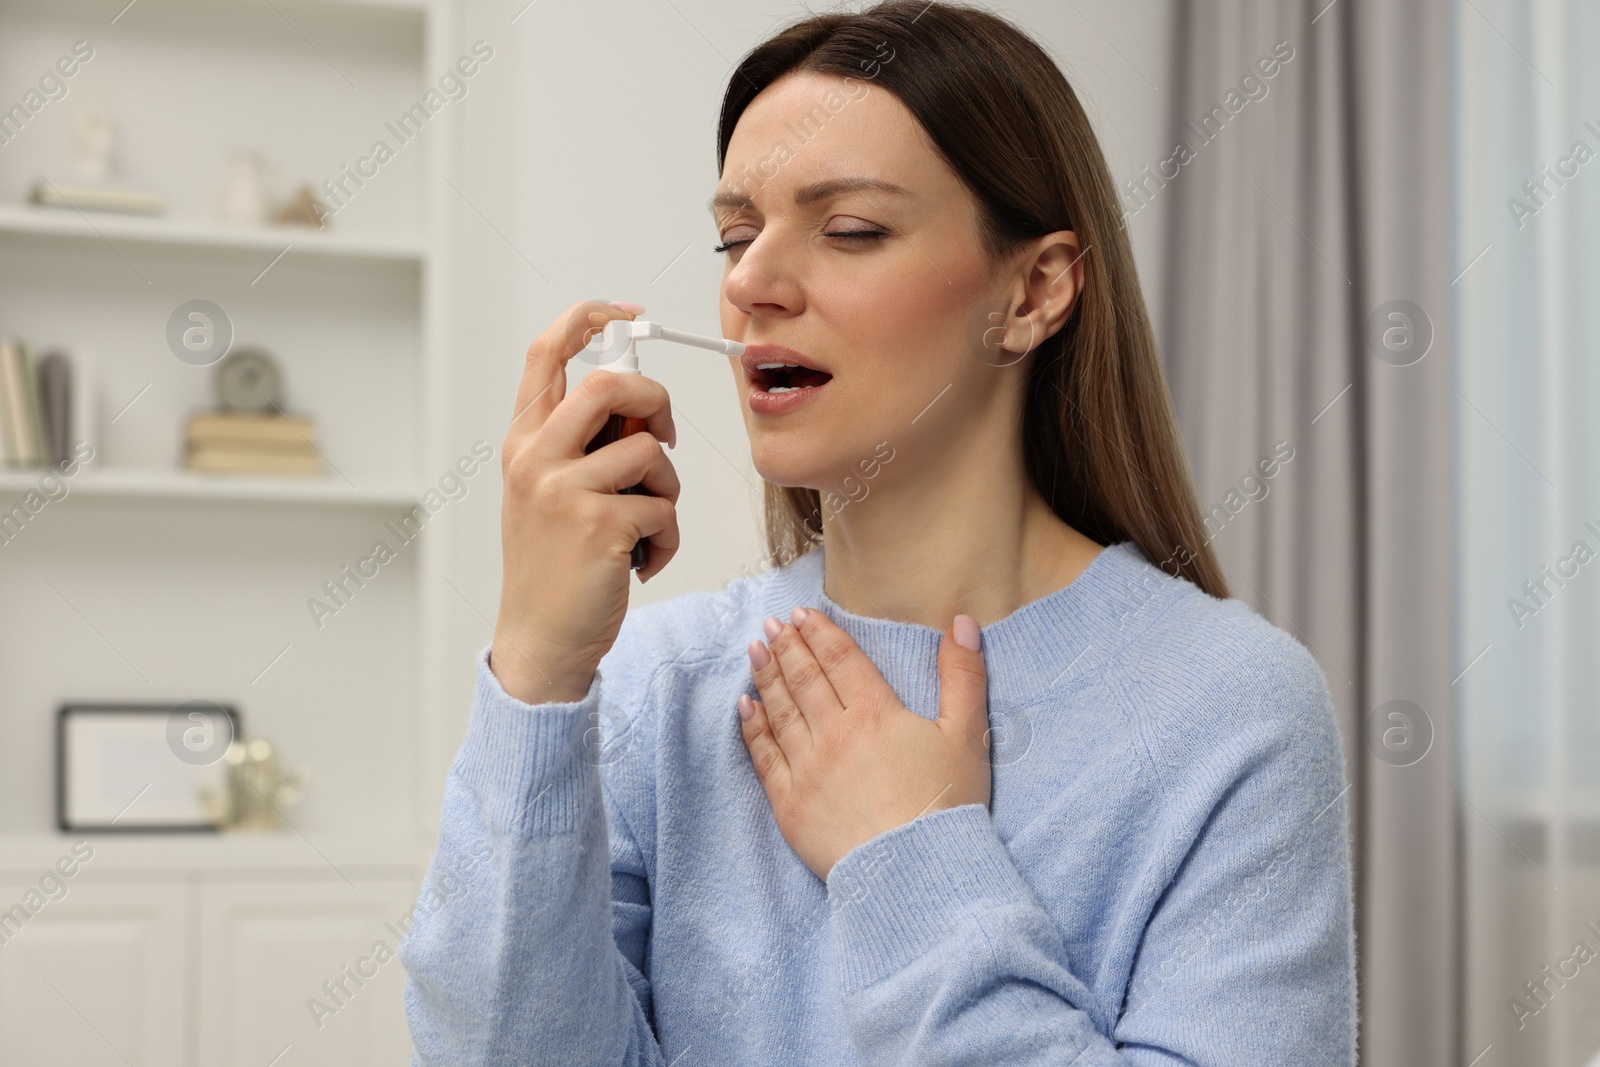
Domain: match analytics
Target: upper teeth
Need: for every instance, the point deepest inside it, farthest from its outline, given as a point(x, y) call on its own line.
point(777, 366)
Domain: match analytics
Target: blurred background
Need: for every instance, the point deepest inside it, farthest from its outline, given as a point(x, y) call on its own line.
point(249, 513)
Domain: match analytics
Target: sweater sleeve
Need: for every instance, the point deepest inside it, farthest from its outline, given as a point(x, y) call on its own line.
point(527, 945)
point(945, 955)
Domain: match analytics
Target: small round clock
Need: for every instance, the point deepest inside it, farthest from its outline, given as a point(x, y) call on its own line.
point(248, 379)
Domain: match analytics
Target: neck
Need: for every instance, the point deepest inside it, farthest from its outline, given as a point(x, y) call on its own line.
point(951, 536)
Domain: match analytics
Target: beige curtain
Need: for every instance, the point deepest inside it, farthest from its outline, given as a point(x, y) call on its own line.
point(1306, 319)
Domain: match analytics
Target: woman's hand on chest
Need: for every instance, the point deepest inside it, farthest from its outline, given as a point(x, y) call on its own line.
point(840, 758)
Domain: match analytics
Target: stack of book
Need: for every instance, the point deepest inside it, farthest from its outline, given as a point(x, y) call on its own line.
point(247, 442)
point(96, 196)
point(43, 408)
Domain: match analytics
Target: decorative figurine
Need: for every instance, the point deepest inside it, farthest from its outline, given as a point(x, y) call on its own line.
point(256, 792)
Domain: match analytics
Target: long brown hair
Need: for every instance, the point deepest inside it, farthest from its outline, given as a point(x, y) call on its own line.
point(1100, 439)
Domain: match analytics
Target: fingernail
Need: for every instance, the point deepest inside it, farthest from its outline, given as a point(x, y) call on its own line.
point(966, 628)
point(773, 628)
point(747, 707)
point(798, 617)
point(759, 656)
point(627, 305)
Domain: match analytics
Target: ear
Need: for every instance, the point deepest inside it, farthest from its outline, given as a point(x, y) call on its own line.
point(1050, 277)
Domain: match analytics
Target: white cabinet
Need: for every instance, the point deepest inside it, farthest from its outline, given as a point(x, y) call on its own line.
point(217, 951)
point(309, 967)
point(95, 977)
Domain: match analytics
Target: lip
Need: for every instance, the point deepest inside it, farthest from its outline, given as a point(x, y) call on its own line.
point(765, 403)
point(757, 354)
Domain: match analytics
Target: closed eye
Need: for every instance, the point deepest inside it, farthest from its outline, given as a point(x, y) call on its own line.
point(868, 235)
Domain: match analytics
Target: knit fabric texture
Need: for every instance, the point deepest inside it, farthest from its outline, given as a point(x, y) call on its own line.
point(1162, 875)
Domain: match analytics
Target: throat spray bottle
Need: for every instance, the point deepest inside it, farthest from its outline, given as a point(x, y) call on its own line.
point(612, 349)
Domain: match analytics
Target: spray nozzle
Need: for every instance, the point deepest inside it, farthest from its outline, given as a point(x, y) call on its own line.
point(613, 347)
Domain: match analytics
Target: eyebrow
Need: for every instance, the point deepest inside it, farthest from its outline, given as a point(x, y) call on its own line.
point(810, 194)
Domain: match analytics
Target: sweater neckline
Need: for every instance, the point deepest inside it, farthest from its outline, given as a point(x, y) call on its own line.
point(1060, 635)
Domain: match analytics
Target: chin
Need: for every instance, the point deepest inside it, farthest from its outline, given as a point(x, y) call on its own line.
point(790, 464)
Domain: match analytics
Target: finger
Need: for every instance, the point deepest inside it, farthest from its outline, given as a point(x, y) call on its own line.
point(854, 678)
point(766, 755)
point(963, 681)
point(803, 675)
point(637, 459)
point(600, 395)
point(653, 519)
point(544, 369)
point(788, 725)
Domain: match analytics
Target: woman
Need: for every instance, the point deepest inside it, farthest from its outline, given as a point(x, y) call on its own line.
point(1010, 781)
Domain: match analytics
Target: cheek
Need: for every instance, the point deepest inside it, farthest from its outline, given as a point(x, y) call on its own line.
point(896, 308)
point(901, 330)
point(907, 333)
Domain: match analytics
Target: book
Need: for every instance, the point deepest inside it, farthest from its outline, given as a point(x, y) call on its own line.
point(296, 447)
point(89, 197)
point(19, 407)
point(9, 448)
point(37, 433)
point(220, 460)
point(251, 442)
point(55, 403)
point(84, 417)
point(217, 427)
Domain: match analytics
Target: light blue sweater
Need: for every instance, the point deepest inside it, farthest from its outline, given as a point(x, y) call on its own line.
point(1162, 876)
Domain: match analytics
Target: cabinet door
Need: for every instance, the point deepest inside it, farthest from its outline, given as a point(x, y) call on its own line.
point(94, 977)
point(303, 966)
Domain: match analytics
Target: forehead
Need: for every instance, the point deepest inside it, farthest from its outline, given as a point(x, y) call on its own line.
point(807, 127)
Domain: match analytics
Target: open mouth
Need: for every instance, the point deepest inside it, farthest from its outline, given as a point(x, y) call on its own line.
point(786, 377)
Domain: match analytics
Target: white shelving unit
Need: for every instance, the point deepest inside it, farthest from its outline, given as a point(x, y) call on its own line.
point(146, 583)
point(192, 485)
point(21, 220)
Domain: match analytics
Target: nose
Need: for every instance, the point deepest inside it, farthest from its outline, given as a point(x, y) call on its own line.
point(763, 281)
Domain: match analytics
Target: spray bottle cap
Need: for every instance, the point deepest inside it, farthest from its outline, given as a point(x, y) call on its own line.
point(613, 348)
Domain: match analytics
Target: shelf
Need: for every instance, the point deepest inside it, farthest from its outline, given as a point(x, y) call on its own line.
point(191, 485)
point(27, 221)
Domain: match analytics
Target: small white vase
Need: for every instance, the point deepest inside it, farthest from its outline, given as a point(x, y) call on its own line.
point(244, 196)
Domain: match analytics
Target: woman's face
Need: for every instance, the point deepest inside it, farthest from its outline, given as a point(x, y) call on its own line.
point(896, 319)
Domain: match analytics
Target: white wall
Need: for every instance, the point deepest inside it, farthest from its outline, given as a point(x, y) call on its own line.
point(548, 226)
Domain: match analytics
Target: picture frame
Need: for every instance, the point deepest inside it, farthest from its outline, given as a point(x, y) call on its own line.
point(141, 768)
